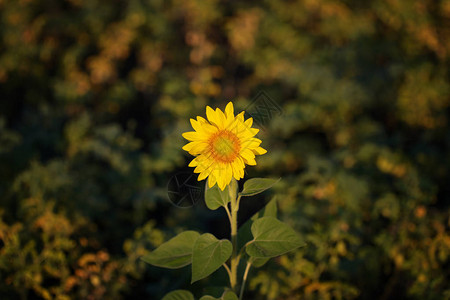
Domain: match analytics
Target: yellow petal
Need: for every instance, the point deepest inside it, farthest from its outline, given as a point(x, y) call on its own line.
point(219, 174)
point(228, 173)
point(202, 175)
point(191, 136)
point(211, 180)
point(247, 133)
point(242, 131)
point(229, 115)
point(238, 166)
point(220, 119)
point(248, 123)
point(199, 160)
point(240, 116)
point(233, 126)
point(240, 162)
point(188, 146)
point(254, 131)
point(235, 166)
point(195, 148)
point(195, 125)
point(221, 183)
point(193, 163)
point(259, 151)
point(242, 167)
point(212, 116)
point(249, 157)
point(202, 120)
point(251, 143)
point(250, 162)
point(208, 171)
point(247, 154)
point(200, 168)
point(229, 110)
point(203, 126)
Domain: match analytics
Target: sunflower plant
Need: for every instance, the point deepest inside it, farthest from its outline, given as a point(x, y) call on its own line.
point(223, 144)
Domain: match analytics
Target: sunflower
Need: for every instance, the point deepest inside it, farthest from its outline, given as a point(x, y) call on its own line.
point(222, 145)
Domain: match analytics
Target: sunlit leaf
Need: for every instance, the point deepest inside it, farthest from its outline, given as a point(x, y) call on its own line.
point(272, 238)
point(208, 255)
point(244, 232)
point(215, 198)
point(227, 295)
point(175, 253)
point(179, 295)
point(255, 186)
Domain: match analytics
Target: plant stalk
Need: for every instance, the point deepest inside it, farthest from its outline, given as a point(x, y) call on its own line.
point(234, 258)
point(244, 279)
point(233, 222)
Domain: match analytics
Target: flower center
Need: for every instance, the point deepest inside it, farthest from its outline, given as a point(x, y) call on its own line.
point(224, 146)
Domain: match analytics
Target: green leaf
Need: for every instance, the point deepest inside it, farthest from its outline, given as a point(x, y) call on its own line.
point(257, 185)
point(258, 262)
point(272, 238)
point(214, 291)
point(227, 295)
point(179, 295)
point(233, 189)
point(208, 255)
point(175, 253)
point(215, 198)
point(270, 210)
point(244, 232)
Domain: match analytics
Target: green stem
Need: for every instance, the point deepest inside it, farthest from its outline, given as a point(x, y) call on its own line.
point(234, 200)
point(238, 201)
point(227, 269)
point(244, 279)
point(228, 213)
point(243, 249)
point(234, 261)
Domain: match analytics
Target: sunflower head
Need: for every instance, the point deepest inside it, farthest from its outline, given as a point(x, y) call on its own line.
point(222, 145)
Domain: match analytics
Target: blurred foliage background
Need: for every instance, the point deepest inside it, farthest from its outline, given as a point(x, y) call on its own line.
point(95, 95)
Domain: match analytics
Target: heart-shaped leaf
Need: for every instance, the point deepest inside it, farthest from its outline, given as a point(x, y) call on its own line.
point(208, 255)
point(271, 238)
point(255, 186)
point(245, 235)
point(258, 262)
point(175, 253)
point(215, 198)
point(227, 295)
point(244, 232)
point(179, 295)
